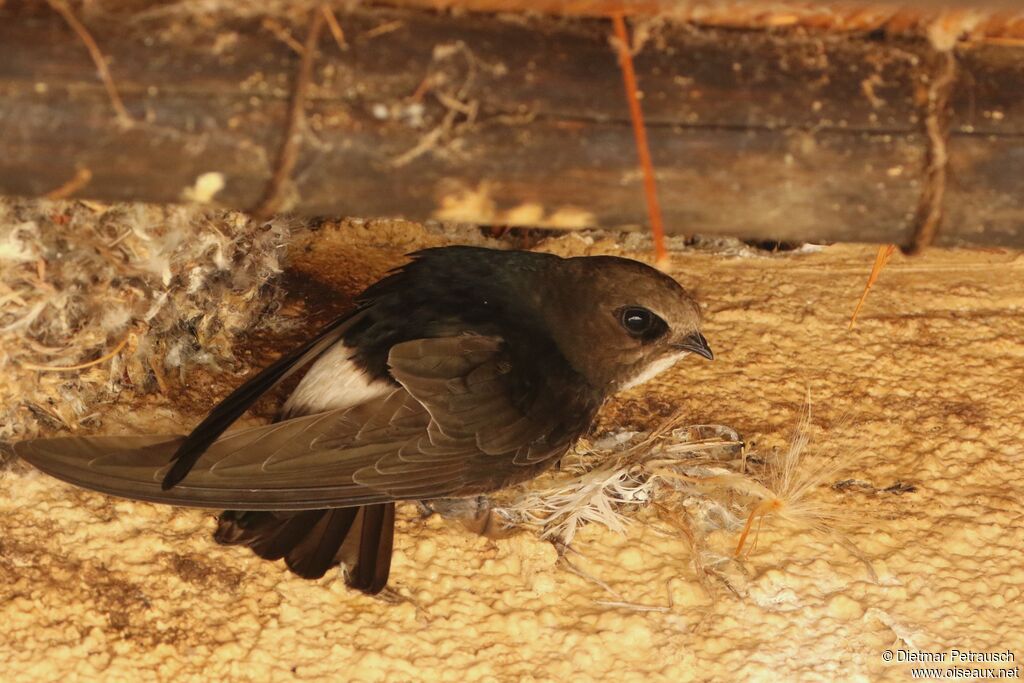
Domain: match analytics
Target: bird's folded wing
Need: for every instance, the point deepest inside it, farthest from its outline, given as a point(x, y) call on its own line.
point(191, 447)
point(458, 425)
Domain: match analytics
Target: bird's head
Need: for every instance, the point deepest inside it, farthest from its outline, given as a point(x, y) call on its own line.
point(620, 322)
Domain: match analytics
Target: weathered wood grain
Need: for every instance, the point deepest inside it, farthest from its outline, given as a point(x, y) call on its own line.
point(512, 120)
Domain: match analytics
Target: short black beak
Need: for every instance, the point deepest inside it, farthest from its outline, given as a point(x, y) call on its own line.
point(697, 344)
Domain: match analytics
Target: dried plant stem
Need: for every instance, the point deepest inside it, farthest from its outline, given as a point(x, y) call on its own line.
point(384, 29)
point(656, 434)
point(589, 577)
point(61, 8)
point(762, 509)
point(640, 133)
point(999, 40)
point(158, 374)
point(66, 368)
point(661, 468)
point(885, 253)
point(282, 34)
point(929, 210)
point(289, 152)
point(77, 182)
point(334, 27)
point(936, 128)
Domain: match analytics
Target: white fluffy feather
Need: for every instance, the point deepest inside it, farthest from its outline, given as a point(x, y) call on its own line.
point(334, 382)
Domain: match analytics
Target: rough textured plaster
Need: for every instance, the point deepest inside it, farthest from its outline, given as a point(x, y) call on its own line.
point(926, 390)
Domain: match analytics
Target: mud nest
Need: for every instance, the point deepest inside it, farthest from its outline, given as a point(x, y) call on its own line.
point(96, 300)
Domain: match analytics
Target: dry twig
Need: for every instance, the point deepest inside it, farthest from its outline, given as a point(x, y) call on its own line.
point(640, 133)
point(936, 124)
point(77, 182)
point(61, 8)
point(885, 253)
point(289, 153)
point(67, 368)
point(334, 27)
point(282, 34)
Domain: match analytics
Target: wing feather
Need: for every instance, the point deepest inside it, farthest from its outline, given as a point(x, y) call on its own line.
point(458, 425)
point(231, 408)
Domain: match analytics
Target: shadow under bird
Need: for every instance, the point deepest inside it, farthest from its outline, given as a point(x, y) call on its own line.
point(462, 372)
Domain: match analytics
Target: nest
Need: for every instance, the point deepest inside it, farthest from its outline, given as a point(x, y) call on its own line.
point(701, 480)
point(96, 300)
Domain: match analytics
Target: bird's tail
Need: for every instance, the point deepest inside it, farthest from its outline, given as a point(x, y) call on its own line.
point(313, 541)
point(310, 541)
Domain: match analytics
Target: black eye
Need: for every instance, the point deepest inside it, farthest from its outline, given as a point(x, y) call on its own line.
point(637, 321)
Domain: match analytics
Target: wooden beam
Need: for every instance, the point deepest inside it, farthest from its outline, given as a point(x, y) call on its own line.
point(515, 120)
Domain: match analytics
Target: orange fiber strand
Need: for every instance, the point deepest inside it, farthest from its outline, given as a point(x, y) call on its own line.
point(81, 366)
point(758, 513)
point(640, 133)
point(885, 253)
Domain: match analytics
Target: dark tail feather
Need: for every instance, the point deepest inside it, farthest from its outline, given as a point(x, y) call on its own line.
point(313, 541)
point(280, 543)
point(317, 552)
point(376, 538)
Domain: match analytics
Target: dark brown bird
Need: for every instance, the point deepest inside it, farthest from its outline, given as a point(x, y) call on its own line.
point(462, 372)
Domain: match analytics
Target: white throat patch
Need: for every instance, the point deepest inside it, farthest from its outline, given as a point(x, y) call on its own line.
point(654, 369)
point(333, 382)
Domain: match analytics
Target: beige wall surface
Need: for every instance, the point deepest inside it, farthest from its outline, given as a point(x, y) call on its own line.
point(920, 403)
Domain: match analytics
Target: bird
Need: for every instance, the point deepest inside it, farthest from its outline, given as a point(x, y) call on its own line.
point(461, 372)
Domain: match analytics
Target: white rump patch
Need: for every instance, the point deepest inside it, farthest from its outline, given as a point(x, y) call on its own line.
point(334, 382)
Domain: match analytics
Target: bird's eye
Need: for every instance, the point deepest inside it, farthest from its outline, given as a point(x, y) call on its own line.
point(636, 320)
